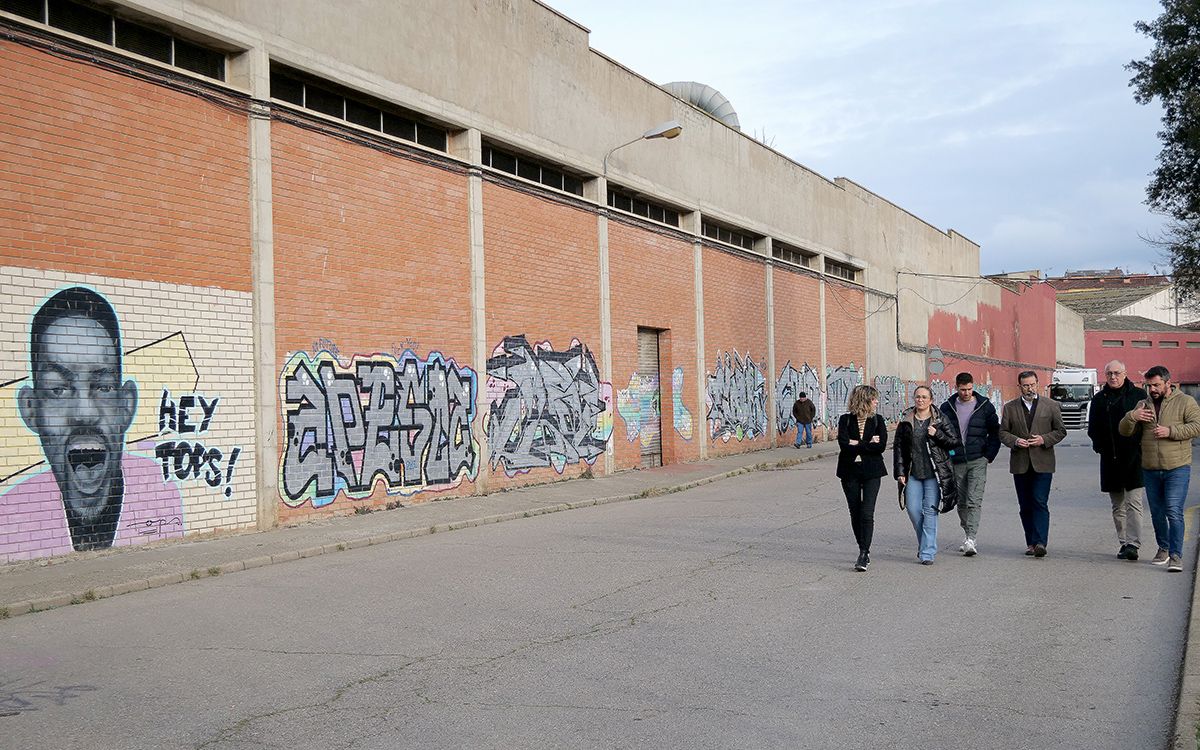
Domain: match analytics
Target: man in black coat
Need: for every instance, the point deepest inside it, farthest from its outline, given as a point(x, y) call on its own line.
point(1120, 457)
point(980, 429)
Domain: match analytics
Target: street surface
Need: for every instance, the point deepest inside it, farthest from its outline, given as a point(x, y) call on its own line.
point(727, 616)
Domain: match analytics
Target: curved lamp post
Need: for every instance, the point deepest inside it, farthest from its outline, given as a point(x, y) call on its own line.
point(668, 129)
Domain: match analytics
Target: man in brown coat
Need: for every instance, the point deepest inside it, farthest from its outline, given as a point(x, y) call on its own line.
point(805, 412)
point(1031, 426)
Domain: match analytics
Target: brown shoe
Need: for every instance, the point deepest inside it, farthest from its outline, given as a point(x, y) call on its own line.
point(1039, 550)
point(1161, 558)
point(1029, 551)
point(1175, 565)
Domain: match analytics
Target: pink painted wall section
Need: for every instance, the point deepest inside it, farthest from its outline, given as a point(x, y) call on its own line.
point(1020, 330)
point(1183, 359)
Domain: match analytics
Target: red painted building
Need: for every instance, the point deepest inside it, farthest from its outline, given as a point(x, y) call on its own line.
point(1142, 343)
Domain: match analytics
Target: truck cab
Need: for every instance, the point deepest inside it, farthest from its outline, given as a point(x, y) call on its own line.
point(1073, 389)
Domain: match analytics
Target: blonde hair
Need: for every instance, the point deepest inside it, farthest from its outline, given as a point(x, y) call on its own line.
point(860, 400)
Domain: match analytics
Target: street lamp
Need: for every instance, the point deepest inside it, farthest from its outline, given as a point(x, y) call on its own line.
point(668, 129)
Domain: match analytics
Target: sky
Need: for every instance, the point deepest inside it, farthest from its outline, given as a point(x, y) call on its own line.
point(1010, 122)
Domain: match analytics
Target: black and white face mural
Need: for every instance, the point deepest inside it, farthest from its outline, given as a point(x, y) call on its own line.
point(80, 408)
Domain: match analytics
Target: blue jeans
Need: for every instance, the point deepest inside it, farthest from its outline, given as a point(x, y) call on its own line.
point(1165, 493)
point(921, 497)
point(804, 434)
point(1033, 496)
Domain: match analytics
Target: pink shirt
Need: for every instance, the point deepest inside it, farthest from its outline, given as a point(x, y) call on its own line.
point(33, 522)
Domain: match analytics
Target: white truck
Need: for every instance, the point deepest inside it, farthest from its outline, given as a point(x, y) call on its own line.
point(1073, 388)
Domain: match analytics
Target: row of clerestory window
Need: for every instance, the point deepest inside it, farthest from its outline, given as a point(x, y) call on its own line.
point(100, 25)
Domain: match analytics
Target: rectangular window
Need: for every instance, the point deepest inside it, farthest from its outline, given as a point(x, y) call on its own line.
point(364, 111)
point(1140, 344)
point(531, 169)
point(725, 234)
point(143, 41)
point(841, 270)
point(781, 251)
point(1168, 345)
point(1112, 343)
point(82, 20)
point(1193, 345)
point(629, 203)
point(100, 24)
point(34, 10)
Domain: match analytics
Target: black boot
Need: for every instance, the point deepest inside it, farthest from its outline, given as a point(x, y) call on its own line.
point(864, 559)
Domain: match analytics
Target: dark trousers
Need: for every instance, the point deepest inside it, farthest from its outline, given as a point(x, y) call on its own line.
point(1033, 495)
point(860, 499)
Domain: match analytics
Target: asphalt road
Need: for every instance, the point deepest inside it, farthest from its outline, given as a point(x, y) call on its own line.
point(726, 616)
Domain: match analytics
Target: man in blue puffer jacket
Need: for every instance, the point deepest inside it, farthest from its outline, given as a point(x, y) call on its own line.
point(980, 429)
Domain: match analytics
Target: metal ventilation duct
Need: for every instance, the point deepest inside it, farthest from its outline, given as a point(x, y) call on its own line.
point(706, 98)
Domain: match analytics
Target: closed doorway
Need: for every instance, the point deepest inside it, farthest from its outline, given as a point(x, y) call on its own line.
point(650, 394)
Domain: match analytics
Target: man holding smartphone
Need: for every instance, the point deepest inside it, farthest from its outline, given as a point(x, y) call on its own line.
point(1168, 421)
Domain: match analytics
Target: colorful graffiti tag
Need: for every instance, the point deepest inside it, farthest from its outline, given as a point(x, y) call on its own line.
point(683, 417)
point(639, 405)
point(736, 397)
point(546, 408)
point(400, 423)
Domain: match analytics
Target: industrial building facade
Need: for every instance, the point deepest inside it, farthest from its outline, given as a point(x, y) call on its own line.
point(263, 261)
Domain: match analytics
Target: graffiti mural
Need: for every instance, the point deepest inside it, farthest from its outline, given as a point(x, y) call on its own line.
point(839, 382)
point(546, 407)
point(80, 469)
point(683, 417)
point(400, 423)
point(788, 386)
point(736, 398)
point(639, 405)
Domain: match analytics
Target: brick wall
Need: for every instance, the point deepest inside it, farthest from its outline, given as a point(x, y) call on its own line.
point(542, 270)
point(652, 283)
point(124, 211)
point(735, 346)
point(797, 300)
point(372, 270)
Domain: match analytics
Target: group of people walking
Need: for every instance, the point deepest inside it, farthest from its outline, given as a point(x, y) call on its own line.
point(940, 456)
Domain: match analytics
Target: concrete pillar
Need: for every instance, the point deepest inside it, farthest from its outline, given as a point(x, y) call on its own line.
point(691, 223)
point(254, 66)
point(468, 146)
point(598, 191)
point(764, 246)
point(824, 356)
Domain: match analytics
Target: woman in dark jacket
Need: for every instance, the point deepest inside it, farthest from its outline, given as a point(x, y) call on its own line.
point(922, 464)
point(862, 437)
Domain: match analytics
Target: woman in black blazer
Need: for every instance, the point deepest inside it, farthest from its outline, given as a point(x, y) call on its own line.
point(862, 437)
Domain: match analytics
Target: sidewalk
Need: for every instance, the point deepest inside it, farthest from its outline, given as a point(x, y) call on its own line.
point(39, 585)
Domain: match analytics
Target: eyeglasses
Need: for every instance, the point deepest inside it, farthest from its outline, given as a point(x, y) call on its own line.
point(1110, 373)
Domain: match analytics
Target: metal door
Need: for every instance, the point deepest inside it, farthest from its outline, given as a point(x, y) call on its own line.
point(649, 393)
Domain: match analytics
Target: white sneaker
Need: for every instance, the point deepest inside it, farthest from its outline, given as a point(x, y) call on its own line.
point(968, 548)
point(963, 547)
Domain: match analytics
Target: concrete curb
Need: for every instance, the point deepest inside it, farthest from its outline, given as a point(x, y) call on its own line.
point(1186, 733)
point(16, 609)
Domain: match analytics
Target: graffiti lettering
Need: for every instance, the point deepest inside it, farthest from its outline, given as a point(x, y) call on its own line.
point(639, 405)
point(788, 386)
point(404, 423)
point(547, 408)
point(191, 460)
point(683, 417)
point(736, 398)
point(839, 382)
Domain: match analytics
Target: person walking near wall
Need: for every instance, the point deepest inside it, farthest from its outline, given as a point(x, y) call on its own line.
point(1168, 421)
point(921, 463)
point(1030, 427)
point(862, 438)
point(804, 411)
point(1120, 456)
point(979, 430)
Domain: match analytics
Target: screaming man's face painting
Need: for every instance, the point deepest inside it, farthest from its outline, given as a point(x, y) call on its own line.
point(80, 409)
